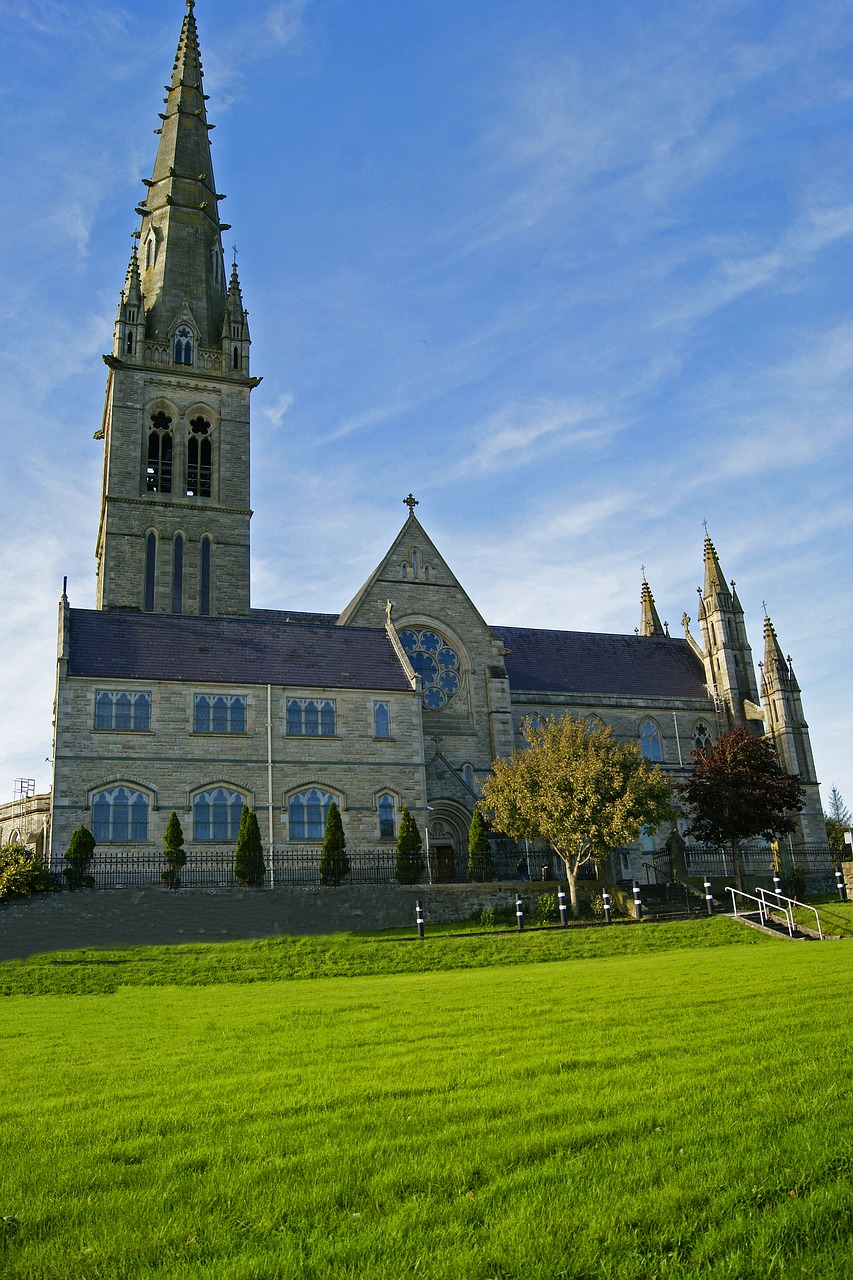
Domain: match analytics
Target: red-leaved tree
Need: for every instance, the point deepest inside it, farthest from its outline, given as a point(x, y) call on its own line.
point(738, 790)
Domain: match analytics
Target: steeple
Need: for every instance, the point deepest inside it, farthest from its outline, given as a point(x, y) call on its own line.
point(787, 726)
point(650, 623)
point(181, 249)
point(175, 512)
point(728, 656)
point(715, 582)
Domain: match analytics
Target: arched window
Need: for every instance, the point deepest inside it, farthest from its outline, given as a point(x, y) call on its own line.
point(219, 713)
point(183, 345)
point(385, 805)
point(119, 814)
point(128, 343)
point(204, 602)
point(235, 364)
point(217, 814)
point(178, 574)
point(199, 452)
point(149, 252)
point(468, 775)
point(150, 570)
point(701, 737)
point(158, 469)
point(307, 814)
point(651, 744)
point(382, 719)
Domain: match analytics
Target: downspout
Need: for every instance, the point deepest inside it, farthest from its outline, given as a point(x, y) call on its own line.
point(677, 741)
point(269, 784)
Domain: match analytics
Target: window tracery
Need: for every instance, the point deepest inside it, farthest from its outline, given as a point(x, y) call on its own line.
point(436, 663)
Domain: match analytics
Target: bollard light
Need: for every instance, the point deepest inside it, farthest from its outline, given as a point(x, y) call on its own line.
point(519, 913)
point(606, 899)
point(419, 917)
point(709, 898)
point(561, 903)
point(839, 883)
point(638, 902)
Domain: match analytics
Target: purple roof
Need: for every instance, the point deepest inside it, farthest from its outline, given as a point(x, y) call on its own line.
point(264, 648)
point(587, 662)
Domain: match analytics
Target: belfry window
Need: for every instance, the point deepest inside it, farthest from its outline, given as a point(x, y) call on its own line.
point(128, 343)
point(199, 454)
point(183, 345)
point(158, 468)
point(236, 360)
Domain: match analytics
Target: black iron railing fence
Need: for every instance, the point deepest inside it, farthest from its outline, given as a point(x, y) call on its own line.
point(213, 867)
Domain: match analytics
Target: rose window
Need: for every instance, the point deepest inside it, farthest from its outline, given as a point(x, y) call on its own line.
point(436, 664)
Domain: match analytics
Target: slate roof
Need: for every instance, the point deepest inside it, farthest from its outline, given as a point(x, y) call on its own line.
point(263, 648)
point(588, 662)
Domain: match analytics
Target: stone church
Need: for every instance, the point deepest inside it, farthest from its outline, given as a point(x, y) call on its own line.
point(174, 693)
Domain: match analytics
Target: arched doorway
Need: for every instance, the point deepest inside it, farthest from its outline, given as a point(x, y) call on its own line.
point(447, 828)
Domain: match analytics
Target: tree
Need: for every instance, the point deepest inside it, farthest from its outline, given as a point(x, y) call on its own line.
point(578, 788)
point(334, 863)
point(249, 866)
point(81, 847)
point(738, 790)
point(838, 820)
point(410, 859)
point(480, 863)
point(173, 852)
point(23, 873)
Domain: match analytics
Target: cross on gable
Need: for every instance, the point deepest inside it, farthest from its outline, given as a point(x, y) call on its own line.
point(411, 503)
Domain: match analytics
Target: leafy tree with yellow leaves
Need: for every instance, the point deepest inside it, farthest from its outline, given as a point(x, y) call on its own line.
point(578, 788)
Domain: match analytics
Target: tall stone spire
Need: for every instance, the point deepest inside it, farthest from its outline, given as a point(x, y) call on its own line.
point(181, 249)
point(175, 508)
point(650, 623)
point(715, 582)
point(789, 730)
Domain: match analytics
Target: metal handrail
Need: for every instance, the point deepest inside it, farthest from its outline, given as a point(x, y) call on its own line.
point(792, 902)
point(762, 908)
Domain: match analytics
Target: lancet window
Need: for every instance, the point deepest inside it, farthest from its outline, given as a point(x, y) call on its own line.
point(158, 468)
point(183, 348)
point(199, 454)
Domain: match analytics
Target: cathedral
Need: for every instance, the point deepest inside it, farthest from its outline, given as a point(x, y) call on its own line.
point(174, 693)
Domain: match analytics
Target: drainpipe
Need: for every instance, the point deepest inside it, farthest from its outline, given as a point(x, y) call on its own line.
point(677, 741)
point(269, 783)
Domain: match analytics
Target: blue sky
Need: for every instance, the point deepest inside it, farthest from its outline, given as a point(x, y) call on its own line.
point(576, 274)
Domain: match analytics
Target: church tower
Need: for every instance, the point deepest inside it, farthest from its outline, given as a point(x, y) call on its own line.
point(728, 656)
point(174, 527)
point(786, 725)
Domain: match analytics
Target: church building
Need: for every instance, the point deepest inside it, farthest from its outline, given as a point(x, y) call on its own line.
point(174, 693)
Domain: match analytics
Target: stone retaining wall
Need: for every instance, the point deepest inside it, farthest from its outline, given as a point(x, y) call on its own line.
point(136, 917)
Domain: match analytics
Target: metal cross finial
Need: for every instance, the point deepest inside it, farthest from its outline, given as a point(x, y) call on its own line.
point(643, 571)
point(411, 503)
point(705, 527)
point(234, 252)
point(764, 607)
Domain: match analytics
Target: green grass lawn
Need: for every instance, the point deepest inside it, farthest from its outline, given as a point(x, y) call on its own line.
point(835, 917)
point(683, 1110)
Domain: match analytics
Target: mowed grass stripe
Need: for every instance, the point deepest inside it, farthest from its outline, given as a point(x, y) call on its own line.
point(685, 1113)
